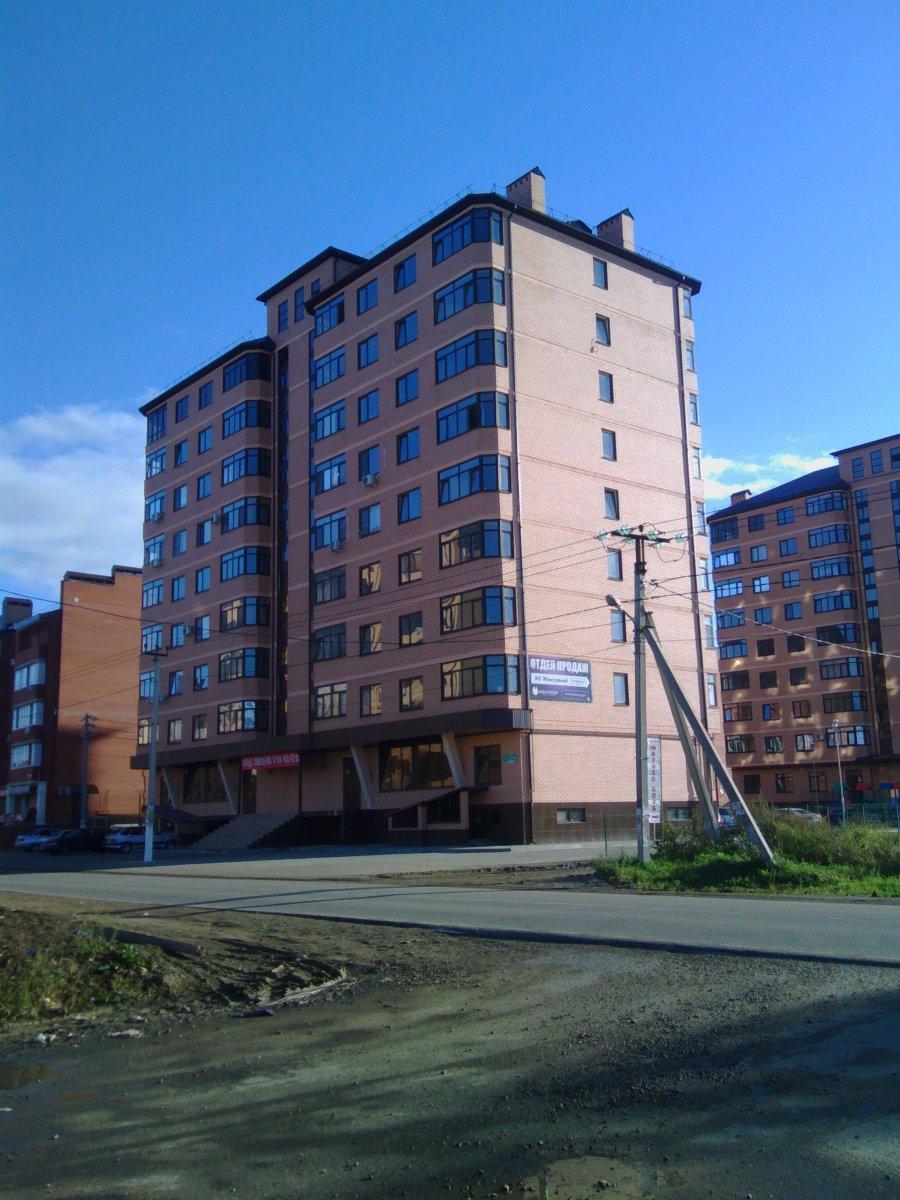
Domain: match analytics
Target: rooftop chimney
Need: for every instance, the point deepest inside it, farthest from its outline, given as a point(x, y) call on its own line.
point(14, 610)
point(740, 497)
point(618, 229)
point(530, 190)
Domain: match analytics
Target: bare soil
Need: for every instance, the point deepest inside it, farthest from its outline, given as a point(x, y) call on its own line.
point(464, 1068)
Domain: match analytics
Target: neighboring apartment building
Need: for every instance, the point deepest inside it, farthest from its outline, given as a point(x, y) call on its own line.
point(56, 667)
point(808, 613)
point(370, 545)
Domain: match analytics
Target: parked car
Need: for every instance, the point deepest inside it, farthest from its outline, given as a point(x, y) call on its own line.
point(34, 839)
point(74, 841)
point(803, 814)
point(129, 838)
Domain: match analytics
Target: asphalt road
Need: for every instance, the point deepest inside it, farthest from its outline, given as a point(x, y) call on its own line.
point(826, 930)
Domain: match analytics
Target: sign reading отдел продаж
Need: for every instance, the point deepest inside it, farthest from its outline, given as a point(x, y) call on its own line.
point(559, 679)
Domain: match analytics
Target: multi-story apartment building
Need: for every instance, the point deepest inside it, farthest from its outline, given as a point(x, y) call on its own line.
point(58, 667)
point(807, 607)
point(371, 556)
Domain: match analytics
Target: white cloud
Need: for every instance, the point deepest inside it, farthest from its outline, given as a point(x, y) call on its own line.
point(71, 494)
point(723, 476)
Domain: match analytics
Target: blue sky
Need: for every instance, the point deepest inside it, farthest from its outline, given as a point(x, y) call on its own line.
point(166, 162)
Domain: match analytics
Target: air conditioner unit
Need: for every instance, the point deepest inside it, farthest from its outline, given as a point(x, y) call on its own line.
point(369, 480)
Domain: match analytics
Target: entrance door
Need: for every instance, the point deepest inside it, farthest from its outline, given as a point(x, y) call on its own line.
point(352, 793)
point(248, 792)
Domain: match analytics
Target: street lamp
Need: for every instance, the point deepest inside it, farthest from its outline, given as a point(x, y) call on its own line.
point(836, 727)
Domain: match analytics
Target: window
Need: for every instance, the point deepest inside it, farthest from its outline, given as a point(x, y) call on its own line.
point(804, 742)
point(282, 315)
point(251, 510)
point(690, 361)
point(247, 560)
point(487, 675)
point(793, 611)
point(737, 712)
point(179, 587)
point(366, 296)
point(790, 579)
point(370, 700)
point(202, 631)
point(617, 626)
point(369, 461)
point(848, 702)
point(601, 331)
point(723, 531)
point(370, 638)
point(405, 273)
point(478, 411)
point(762, 616)
point(370, 579)
point(486, 473)
point(828, 535)
point(329, 585)
point(408, 445)
point(830, 568)
point(801, 708)
point(243, 715)
point(729, 587)
point(608, 444)
point(488, 769)
point(156, 425)
point(249, 366)
point(740, 743)
point(693, 408)
point(705, 578)
point(838, 635)
point(785, 516)
point(772, 744)
point(176, 682)
point(205, 440)
point(826, 502)
point(367, 407)
point(758, 554)
point(699, 518)
point(199, 728)
point(735, 681)
point(181, 453)
point(409, 566)
point(611, 504)
point(797, 676)
point(768, 680)
point(784, 782)
point(796, 643)
point(756, 522)
point(151, 640)
point(709, 632)
point(182, 408)
point(406, 387)
point(244, 613)
point(729, 618)
point(409, 506)
point(833, 601)
point(413, 766)
point(762, 583)
point(251, 414)
point(481, 347)
point(329, 701)
point(156, 463)
point(328, 421)
point(179, 497)
point(205, 396)
point(25, 754)
point(771, 712)
point(201, 677)
point(696, 465)
point(329, 642)
point(751, 785)
point(614, 564)
point(329, 315)
point(841, 668)
point(406, 330)
point(315, 287)
point(620, 688)
point(787, 546)
point(204, 486)
point(299, 304)
point(481, 539)
point(25, 715)
point(480, 606)
point(174, 730)
point(412, 693)
point(481, 286)
point(411, 629)
point(246, 462)
point(367, 351)
point(329, 530)
point(711, 697)
point(601, 274)
point(736, 648)
point(605, 386)
point(851, 735)
point(179, 543)
point(479, 225)
point(876, 462)
point(152, 593)
point(329, 367)
point(369, 519)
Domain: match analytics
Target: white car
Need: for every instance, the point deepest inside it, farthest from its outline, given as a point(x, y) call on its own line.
point(129, 838)
point(803, 814)
point(37, 838)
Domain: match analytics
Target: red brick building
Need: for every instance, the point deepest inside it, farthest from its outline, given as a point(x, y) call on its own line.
point(58, 666)
point(370, 540)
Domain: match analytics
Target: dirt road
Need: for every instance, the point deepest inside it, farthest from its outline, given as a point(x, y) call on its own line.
point(466, 1068)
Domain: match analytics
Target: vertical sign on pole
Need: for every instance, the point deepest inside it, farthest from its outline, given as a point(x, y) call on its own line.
point(654, 780)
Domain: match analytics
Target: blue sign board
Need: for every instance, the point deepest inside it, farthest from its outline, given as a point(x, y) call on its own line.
point(559, 679)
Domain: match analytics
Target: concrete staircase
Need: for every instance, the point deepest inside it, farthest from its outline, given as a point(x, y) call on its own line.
point(240, 833)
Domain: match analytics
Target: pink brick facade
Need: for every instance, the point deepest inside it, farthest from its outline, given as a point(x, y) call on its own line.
point(456, 749)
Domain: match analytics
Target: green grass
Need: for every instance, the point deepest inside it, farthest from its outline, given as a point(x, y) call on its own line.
point(811, 859)
point(48, 970)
